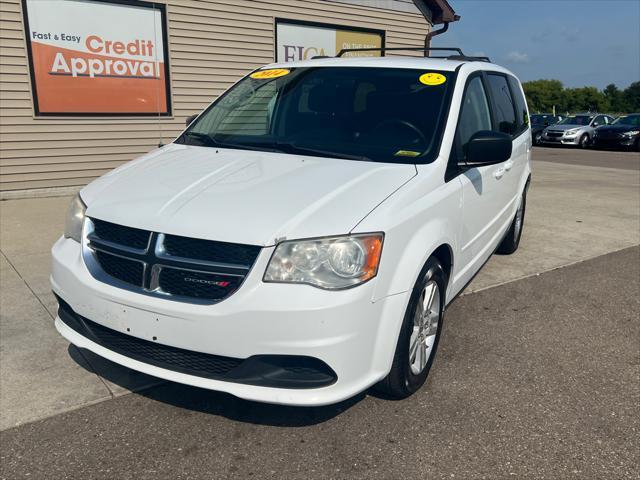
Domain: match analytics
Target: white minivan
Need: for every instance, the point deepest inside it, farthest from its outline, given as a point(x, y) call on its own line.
point(300, 241)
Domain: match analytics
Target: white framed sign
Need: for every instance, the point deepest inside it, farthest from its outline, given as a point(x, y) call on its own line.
point(98, 57)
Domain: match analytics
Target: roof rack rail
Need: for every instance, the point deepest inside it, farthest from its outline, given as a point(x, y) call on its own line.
point(458, 56)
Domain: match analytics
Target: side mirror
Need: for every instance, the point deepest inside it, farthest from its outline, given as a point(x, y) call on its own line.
point(488, 148)
point(190, 119)
point(596, 124)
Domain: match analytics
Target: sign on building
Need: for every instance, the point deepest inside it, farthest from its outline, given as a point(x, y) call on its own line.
point(97, 57)
point(297, 40)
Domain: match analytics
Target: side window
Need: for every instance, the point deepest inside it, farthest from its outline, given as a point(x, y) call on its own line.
point(505, 109)
point(521, 105)
point(599, 120)
point(474, 113)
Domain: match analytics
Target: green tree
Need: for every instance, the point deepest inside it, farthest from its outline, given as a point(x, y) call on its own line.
point(585, 99)
point(631, 96)
point(614, 98)
point(542, 95)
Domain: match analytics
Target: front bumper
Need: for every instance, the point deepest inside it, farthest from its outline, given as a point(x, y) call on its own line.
point(574, 140)
point(615, 142)
point(344, 330)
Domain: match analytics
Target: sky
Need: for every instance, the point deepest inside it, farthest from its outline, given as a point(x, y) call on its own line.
point(579, 42)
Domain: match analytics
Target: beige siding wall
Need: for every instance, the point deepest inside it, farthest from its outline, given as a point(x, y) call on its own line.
point(211, 45)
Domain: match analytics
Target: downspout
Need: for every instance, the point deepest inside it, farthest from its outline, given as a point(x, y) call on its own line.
point(430, 35)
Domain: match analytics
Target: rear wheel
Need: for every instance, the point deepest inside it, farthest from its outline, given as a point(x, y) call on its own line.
point(419, 334)
point(511, 241)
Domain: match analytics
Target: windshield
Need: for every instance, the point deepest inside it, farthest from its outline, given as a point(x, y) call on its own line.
point(543, 119)
point(577, 120)
point(632, 120)
point(377, 114)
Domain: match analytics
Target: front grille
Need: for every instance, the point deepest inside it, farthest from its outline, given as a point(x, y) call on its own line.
point(609, 136)
point(175, 267)
point(554, 134)
point(210, 251)
point(131, 237)
point(196, 284)
point(125, 270)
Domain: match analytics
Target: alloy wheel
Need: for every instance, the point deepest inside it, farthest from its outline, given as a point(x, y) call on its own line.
point(425, 327)
point(518, 223)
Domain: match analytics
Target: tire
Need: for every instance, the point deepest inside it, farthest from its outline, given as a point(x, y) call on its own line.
point(537, 138)
point(584, 141)
point(419, 333)
point(511, 241)
point(637, 145)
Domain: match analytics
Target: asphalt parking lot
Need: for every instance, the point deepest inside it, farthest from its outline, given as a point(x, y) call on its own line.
point(537, 375)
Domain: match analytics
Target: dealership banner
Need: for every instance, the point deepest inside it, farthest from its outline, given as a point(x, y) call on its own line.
point(97, 57)
point(304, 40)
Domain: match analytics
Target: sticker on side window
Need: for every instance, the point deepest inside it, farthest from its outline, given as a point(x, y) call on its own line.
point(432, 78)
point(271, 73)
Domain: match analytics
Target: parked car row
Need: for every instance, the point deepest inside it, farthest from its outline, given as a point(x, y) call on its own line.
point(587, 130)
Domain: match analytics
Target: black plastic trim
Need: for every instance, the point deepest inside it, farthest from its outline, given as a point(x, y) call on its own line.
point(275, 371)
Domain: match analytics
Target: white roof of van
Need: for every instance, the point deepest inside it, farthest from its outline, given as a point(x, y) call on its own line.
point(380, 62)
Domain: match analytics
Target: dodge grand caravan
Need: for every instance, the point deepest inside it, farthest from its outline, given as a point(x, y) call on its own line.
point(300, 241)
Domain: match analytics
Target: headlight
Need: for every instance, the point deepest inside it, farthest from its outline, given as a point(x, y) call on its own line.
point(573, 131)
point(330, 263)
point(632, 133)
point(75, 219)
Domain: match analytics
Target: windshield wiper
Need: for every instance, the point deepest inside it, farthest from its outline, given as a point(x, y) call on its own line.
point(295, 148)
point(281, 147)
point(211, 141)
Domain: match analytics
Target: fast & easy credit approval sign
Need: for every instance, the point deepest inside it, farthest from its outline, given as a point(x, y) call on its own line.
point(97, 57)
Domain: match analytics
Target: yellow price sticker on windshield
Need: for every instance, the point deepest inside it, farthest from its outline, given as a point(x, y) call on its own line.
point(432, 78)
point(271, 73)
point(406, 153)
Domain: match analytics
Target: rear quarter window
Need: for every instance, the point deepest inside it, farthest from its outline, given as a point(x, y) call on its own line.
point(505, 110)
point(522, 117)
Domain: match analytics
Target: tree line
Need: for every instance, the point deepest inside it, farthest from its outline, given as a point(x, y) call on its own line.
point(543, 95)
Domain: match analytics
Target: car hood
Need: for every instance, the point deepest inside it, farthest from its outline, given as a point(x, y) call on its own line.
point(617, 128)
point(242, 196)
point(562, 128)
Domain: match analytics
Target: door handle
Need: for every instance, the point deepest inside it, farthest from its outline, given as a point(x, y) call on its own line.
point(508, 165)
point(499, 173)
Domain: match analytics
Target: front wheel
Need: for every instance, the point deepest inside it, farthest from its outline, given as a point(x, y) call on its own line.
point(419, 334)
point(537, 138)
point(584, 141)
point(511, 241)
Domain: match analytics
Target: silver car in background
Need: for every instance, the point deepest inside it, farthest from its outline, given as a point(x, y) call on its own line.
point(575, 130)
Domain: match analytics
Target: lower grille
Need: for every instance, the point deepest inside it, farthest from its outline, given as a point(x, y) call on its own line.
point(276, 371)
point(164, 356)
